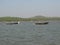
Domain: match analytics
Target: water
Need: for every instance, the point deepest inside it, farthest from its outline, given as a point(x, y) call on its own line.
point(27, 33)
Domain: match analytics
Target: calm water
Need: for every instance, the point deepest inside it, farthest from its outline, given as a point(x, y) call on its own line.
point(27, 33)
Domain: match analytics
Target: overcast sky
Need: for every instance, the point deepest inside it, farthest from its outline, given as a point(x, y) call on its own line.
point(29, 8)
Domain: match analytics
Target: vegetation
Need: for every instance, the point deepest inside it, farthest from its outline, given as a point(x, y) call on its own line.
point(10, 18)
point(36, 18)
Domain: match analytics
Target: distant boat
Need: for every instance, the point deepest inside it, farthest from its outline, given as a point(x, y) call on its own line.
point(41, 23)
point(11, 23)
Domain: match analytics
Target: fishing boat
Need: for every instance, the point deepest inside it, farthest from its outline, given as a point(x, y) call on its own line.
point(41, 23)
point(11, 23)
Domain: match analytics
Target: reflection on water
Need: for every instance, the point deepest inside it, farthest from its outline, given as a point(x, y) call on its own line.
point(27, 33)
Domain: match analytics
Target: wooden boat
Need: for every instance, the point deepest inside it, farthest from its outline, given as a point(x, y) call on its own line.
point(41, 23)
point(11, 23)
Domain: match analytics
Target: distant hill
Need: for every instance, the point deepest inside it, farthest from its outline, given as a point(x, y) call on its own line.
point(38, 17)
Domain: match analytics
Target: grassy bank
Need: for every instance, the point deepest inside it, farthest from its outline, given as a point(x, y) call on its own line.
point(36, 18)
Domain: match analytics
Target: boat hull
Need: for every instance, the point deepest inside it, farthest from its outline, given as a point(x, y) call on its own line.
point(41, 23)
point(11, 23)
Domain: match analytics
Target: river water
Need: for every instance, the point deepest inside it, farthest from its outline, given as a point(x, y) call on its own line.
point(27, 33)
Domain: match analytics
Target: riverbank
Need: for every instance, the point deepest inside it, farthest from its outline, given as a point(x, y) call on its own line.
point(2, 19)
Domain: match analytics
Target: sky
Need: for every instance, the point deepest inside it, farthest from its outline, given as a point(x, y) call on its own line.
point(29, 8)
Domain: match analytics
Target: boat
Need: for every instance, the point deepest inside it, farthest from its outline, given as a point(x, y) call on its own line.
point(11, 23)
point(41, 23)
